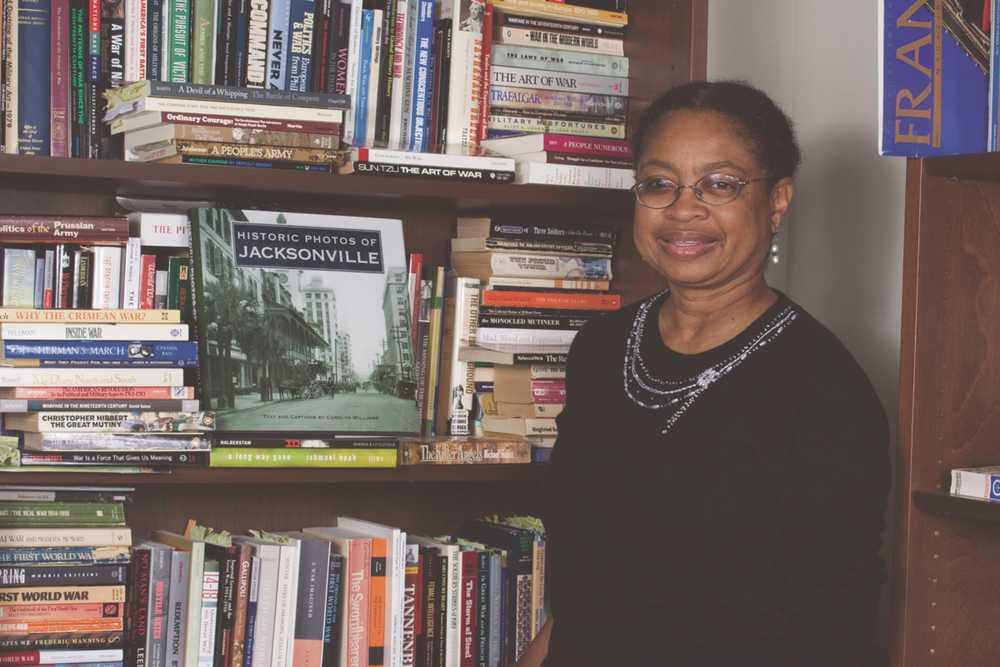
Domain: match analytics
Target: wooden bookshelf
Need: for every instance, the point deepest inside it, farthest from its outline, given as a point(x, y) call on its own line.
point(666, 44)
point(947, 550)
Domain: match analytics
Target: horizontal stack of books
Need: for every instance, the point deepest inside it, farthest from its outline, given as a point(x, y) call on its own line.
point(64, 575)
point(356, 592)
point(181, 123)
point(93, 344)
point(558, 72)
point(521, 293)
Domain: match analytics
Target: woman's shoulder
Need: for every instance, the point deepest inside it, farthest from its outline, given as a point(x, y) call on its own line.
point(609, 327)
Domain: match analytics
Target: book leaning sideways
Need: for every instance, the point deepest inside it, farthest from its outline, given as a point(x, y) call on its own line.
point(933, 77)
point(303, 322)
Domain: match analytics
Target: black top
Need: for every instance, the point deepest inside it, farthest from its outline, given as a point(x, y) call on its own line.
point(746, 534)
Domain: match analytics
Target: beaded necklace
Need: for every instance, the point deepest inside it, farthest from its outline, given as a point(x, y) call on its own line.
point(674, 397)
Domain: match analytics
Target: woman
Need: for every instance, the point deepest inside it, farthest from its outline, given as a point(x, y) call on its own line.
point(717, 493)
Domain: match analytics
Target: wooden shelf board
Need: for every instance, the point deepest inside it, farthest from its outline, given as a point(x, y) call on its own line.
point(235, 476)
point(234, 184)
point(945, 504)
point(977, 167)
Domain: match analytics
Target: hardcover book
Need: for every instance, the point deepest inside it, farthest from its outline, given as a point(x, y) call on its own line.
point(303, 322)
point(934, 77)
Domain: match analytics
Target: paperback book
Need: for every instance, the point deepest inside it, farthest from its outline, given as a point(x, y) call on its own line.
point(303, 322)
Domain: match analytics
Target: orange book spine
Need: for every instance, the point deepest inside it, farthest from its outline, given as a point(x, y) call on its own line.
point(18, 628)
point(377, 598)
point(570, 301)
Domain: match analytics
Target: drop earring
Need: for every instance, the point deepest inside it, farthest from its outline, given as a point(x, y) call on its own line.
point(775, 253)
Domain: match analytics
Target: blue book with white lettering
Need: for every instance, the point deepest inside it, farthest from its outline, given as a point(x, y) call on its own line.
point(33, 93)
point(364, 74)
point(278, 44)
point(179, 354)
point(303, 16)
point(934, 77)
point(423, 80)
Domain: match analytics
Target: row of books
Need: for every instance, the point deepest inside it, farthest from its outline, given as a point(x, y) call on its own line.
point(65, 576)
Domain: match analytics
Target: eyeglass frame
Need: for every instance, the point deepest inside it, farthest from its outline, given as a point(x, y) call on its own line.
point(741, 182)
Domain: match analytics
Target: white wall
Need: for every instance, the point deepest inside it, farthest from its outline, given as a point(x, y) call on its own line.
point(842, 246)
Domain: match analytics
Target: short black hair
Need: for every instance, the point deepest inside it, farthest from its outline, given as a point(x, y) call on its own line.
point(766, 127)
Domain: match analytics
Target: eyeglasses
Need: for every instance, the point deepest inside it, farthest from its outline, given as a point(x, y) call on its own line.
point(713, 189)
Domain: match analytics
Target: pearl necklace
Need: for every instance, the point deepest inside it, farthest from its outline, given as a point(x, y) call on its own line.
point(674, 397)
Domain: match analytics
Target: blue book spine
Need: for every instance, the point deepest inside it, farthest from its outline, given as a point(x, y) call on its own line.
point(364, 72)
point(154, 39)
point(332, 621)
point(277, 45)
point(929, 109)
point(181, 353)
point(249, 633)
point(303, 19)
point(242, 18)
point(34, 102)
point(75, 555)
point(423, 80)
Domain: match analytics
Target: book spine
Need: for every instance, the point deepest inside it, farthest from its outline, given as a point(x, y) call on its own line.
point(34, 58)
point(203, 42)
point(587, 104)
point(460, 452)
point(321, 61)
point(244, 564)
point(53, 514)
point(565, 11)
point(277, 29)
point(975, 484)
point(360, 127)
point(101, 658)
point(453, 631)
point(377, 603)
point(215, 107)
point(74, 575)
point(505, 336)
point(551, 300)
point(11, 59)
point(359, 601)
point(174, 354)
point(354, 58)
point(574, 175)
point(159, 596)
point(549, 266)
point(107, 277)
point(517, 21)
point(284, 609)
point(256, 152)
point(509, 122)
point(514, 282)
point(10, 331)
point(571, 83)
point(89, 392)
point(301, 28)
point(337, 56)
point(311, 606)
point(59, 79)
point(442, 80)
point(15, 597)
point(596, 147)
point(464, 84)
point(87, 555)
point(581, 160)
point(226, 610)
point(225, 43)
point(133, 12)
point(258, 42)
point(70, 458)
point(560, 41)
point(303, 458)
point(79, 135)
point(241, 43)
point(499, 317)
point(469, 612)
point(45, 229)
point(180, 565)
point(209, 611)
point(238, 122)
point(460, 383)
point(132, 280)
point(249, 633)
point(423, 80)
point(496, 610)
point(434, 159)
point(384, 72)
point(485, 66)
point(412, 611)
point(434, 173)
point(63, 640)
point(482, 609)
point(398, 90)
point(334, 618)
point(374, 81)
point(155, 45)
point(57, 537)
point(138, 607)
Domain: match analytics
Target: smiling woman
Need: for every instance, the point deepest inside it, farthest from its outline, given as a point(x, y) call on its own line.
point(741, 451)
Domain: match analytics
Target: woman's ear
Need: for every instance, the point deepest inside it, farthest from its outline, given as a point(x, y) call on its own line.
point(781, 199)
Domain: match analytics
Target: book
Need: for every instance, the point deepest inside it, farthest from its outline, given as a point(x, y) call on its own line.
point(48, 556)
point(213, 107)
point(147, 459)
point(519, 21)
point(65, 537)
point(598, 64)
point(521, 426)
point(982, 483)
point(18, 278)
point(516, 121)
point(47, 393)
point(303, 458)
point(463, 452)
point(64, 657)
point(563, 11)
point(266, 96)
point(514, 354)
point(60, 514)
point(179, 354)
point(454, 160)
point(111, 422)
point(298, 441)
point(131, 442)
point(90, 377)
point(84, 329)
point(138, 121)
point(592, 235)
point(337, 286)
point(559, 143)
point(532, 99)
point(161, 230)
point(485, 265)
point(157, 134)
point(36, 493)
point(560, 41)
point(551, 300)
point(574, 175)
point(934, 64)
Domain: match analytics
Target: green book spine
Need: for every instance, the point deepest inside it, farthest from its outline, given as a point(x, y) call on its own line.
point(15, 514)
point(303, 458)
point(177, 275)
point(178, 41)
point(203, 61)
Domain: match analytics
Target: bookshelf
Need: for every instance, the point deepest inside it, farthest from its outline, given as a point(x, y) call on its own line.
point(666, 43)
point(948, 549)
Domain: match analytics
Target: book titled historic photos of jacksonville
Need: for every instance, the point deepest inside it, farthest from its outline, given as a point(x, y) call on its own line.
point(303, 322)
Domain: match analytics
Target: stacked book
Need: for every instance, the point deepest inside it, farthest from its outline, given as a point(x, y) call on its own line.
point(64, 575)
point(179, 123)
point(356, 592)
point(558, 71)
point(522, 293)
point(94, 350)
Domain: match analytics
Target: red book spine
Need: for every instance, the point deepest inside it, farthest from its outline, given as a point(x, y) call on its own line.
point(548, 391)
point(212, 120)
point(467, 621)
point(484, 97)
point(147, 282)
point(20, 658)
point(567, 301)
point(416, 271)
point(568, 143)
point(59, 79)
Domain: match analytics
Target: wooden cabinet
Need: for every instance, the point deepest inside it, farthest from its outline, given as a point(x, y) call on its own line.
point(666, 44)
point(947, 565)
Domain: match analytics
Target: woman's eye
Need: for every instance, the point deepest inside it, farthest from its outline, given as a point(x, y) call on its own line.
point(721, 184)
point(659, 185)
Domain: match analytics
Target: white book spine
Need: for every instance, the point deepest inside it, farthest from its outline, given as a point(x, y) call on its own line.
point(132, 284)
point(561, 61)
point(573, 83)
point(70, 657)
point(196, 574)
point(10, 101)
point(462, 380)
point(561, 41)
point(353, 66)
point(107, 277)
point(450, 160)
point(132, 13)
point(65, 537)
point(127, 332)
point(453, 637)
point(163, 230)
point(541, 173)
point(284, 609)
point(293, 601)
point(464, 78)
point(213, 107)
point(490, 336)
point(209, 612)
point(160, 286)
point(267, 594)
point(91, 377)
point(976, 483)
point(399, 580)
point(527, 265)
point(374, 81)
point(400, 65)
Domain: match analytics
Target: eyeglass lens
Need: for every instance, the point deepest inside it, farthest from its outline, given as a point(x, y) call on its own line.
point(714, 189)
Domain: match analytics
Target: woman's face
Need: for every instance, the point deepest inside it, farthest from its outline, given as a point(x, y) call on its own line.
point(694, 244)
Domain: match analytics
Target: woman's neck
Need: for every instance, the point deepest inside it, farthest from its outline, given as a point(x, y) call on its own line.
point(693, 321)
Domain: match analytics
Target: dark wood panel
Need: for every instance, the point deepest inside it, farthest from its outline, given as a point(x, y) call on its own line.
point(947, 505)
point(980, 167)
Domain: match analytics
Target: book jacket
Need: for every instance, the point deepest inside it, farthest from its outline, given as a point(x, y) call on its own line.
point(934, 78)
point(303, 322)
